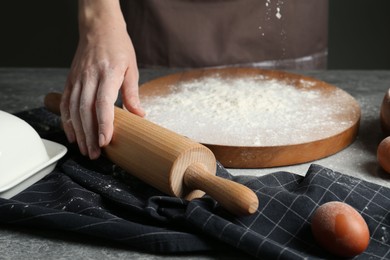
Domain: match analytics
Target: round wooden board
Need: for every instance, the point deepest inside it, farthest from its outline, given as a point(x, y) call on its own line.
point(262, 156)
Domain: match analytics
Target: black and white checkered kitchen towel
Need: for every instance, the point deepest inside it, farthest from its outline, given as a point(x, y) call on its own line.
point(97, 198)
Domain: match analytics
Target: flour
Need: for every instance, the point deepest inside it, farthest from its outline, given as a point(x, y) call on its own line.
point(385, 235)
point(248, 111)
point(278, 14)
point(273, 9)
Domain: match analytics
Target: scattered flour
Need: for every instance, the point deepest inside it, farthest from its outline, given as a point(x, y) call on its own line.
point(278, 4)
point(385, 235)
point(273, 9)
point(278, 14)
point(249, 111)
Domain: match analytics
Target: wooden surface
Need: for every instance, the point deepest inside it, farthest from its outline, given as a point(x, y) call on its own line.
point(162, 158)
point(234, 156)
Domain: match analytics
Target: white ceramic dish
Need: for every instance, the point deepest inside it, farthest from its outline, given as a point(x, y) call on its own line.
point(25, 158)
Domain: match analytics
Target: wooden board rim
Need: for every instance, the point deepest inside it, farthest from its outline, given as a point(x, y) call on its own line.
point(259, 156)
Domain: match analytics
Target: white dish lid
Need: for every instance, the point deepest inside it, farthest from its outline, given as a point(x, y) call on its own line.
point(25, 158)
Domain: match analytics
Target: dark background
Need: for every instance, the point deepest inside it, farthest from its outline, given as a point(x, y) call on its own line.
point(43, 33)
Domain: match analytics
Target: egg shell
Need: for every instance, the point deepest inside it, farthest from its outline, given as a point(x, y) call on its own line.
point(340, 229)
point(383, 154)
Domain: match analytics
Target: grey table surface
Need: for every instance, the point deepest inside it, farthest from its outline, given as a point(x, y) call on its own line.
point(24, 88)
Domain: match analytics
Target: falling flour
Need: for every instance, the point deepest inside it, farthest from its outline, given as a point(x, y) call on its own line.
point(248, 111)
point(273, 9)
point(278, 14)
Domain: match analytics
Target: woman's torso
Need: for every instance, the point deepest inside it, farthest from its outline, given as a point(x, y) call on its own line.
point(207, 33)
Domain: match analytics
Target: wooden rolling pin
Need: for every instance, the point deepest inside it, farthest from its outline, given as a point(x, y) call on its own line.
point(169, 162)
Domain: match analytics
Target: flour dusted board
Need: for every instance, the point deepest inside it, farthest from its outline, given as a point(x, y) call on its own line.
point(252, 118)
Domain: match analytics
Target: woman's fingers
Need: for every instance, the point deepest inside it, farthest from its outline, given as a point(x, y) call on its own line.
point(65, 113)
point(78, 113)
point(74, 109)
point(87, 106)
point(106, 97)
point(130, 94)
point(87, 114)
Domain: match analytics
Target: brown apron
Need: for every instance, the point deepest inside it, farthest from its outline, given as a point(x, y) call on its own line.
point(204, 33)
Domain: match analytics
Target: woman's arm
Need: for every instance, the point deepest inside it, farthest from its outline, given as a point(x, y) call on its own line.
point(104, 63)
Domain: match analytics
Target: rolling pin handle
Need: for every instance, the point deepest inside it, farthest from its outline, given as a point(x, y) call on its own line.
point(234, 197)
point(52, 102)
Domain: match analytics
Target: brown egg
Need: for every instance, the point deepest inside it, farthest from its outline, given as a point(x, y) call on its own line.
point(340, 229)
point(385, 113)
point(383, 154)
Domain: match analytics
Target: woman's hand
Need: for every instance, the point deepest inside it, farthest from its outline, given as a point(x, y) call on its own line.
point(104, 63)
